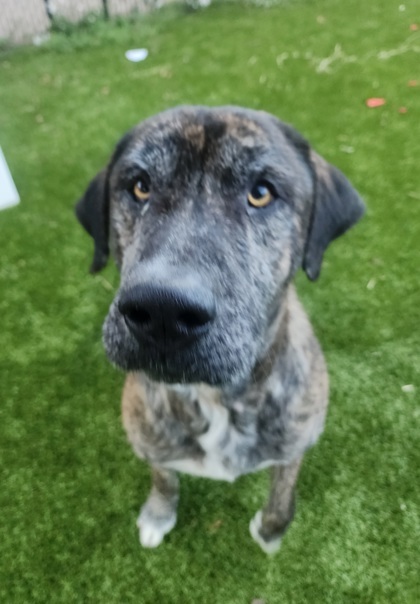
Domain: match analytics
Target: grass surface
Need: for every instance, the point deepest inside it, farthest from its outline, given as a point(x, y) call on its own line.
point(70, 486)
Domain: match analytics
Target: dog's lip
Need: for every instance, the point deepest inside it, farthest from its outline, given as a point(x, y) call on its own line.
point(163, 372)
point(169, 363)
point(169, 369)
point(167, 378)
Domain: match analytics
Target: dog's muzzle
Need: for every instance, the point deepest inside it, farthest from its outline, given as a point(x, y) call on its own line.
point(167, 314)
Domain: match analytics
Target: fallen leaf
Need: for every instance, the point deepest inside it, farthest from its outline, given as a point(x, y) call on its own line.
point(402, 110)
point(105, 283)
point(216, 525)
point(414, 27)
point(375, 102)
point(413, 83)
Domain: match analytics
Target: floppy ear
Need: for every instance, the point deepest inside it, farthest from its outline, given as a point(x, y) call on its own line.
point(92, 211)
point(337, 206)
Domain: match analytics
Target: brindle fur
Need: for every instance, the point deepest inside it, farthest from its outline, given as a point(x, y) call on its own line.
point(253, 391)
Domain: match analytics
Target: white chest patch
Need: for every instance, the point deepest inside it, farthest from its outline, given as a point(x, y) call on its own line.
point(216, 443)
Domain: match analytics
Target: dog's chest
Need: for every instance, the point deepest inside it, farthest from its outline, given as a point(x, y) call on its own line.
point(214, 463)
point(223, 447)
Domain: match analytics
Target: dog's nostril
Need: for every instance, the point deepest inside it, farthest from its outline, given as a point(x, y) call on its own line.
point(135, 313)
point(138, 315)
point(193, 319)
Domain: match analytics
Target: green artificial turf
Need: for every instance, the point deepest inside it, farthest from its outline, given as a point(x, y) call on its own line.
point(70, 485)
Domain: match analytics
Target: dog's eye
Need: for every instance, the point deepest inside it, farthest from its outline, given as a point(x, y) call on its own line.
point(141, 190)
point(260, 195)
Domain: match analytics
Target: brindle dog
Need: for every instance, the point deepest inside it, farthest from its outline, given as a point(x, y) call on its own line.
point(209, 213)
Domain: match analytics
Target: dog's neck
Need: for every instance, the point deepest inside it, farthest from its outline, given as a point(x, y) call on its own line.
point(276, 339)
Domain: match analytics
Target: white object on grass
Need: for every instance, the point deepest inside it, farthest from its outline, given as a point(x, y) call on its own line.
point(408, 388)
point(199, 3)
point(136, 54)
point(8, 192)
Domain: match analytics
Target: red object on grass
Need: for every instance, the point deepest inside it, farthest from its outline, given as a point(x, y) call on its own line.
point(375, 102)
point(414, 27)
point(402, 110)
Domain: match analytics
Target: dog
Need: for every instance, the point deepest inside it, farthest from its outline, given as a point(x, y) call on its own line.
point(209, 213)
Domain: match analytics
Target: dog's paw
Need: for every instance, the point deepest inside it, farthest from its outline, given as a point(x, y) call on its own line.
point(152, 529)
point(269, 547)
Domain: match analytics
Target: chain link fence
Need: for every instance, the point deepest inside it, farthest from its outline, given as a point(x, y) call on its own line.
point(23, 20)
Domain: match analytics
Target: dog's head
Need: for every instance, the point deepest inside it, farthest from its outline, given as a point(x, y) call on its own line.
point(209, 213)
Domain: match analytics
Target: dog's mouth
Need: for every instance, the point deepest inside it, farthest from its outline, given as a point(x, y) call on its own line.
point(164, 371)
point(173, 366)
point(169, 363)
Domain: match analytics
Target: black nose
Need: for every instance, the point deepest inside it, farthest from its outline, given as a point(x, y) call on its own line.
point(167, 314)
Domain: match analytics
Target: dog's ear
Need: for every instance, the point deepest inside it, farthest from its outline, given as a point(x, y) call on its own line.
point(92, 211)
point(337, 206)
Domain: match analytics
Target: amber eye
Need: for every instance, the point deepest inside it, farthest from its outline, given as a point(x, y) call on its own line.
point(260, 195)
point(141, 190)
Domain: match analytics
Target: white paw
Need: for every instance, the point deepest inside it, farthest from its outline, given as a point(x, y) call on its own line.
point(153, 530)
point(269, 547)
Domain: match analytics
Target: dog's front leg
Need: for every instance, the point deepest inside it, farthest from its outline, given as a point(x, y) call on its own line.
point(269, 524)
point(158, 515)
